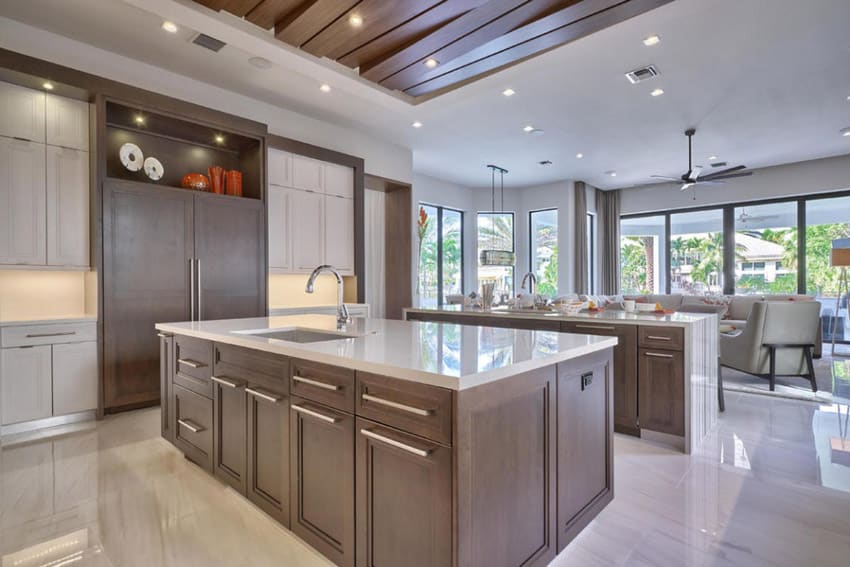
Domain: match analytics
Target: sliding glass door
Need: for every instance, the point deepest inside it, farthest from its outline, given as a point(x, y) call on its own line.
point(440, 254)
point(766, 248)
point(543, 253)
point(642, 243)
point(827, 220)
point(696, 252)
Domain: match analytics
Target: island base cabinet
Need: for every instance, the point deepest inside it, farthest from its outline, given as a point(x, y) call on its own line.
point(661, 375)
point(404, 499)
point(230, 435)
point(322, 484)
point(268, 448)
point(193, 426)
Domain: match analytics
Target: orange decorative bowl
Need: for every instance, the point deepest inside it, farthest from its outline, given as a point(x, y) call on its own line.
point(196, 182)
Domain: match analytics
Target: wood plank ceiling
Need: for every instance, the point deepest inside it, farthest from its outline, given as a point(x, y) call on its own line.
point(468, 39)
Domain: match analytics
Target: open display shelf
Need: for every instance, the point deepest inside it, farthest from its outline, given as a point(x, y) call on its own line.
point(181, 146)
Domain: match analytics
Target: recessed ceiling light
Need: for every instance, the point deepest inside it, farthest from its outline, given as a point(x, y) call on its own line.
point(431, 63)
point(325, 88)
point(48, 86)
point(651, 40)
point(712, 158)
point(219, 139)
point(528, 128)
point(509, 92)
point(417, 124)
point(612, 173)
point(579, 155)
point(170, 27)
point(657, 92)
point(355, 20)
point(139, 119)
point(260, 62)
point(848, 97)
point(845, 131)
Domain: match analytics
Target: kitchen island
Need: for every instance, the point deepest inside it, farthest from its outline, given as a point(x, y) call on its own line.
point(665, 365)
point(395, 442)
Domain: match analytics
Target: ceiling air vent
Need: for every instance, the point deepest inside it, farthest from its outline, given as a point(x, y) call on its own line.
point(208, 42)
point(719, 164)
point(642, 74)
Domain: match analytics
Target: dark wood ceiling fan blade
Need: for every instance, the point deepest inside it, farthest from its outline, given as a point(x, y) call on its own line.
point(724, 171)
point(731, 176)
point(666, 177)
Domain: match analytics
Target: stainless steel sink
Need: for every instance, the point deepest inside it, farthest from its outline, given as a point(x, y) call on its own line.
point(302, 336)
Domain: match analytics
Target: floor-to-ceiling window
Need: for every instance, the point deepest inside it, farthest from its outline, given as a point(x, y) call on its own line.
point(766, 248)
point(696, 252)
point(440, 231)
point(642, 244)
point(543, 253)
point(496, 232)
point(827, 220)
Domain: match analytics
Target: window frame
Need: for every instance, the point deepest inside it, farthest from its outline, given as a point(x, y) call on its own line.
point(440, 209)
point(513, 244)
point(531, 214)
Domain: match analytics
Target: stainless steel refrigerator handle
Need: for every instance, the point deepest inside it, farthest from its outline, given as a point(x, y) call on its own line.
point(200, 311)
point(192, 287)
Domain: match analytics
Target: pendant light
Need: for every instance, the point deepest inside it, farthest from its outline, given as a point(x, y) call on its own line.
point(493, 255)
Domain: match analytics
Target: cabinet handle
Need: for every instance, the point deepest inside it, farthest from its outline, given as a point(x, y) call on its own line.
point(164, 335)
point(264, 395)
point(599, 327)
point(190, 362)
point(192, 287)
point(655, 338)
point(225, 382)
point(191, 426)
point(200, 291)
point(315, 383)
point(396, 405)
point(586, 380)
point(42, 335)
point(317, 415)
point(658, 355)
point(397, 444)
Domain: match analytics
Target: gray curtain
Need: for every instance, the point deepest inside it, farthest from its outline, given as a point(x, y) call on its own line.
point(580, 231)
point(608, 221)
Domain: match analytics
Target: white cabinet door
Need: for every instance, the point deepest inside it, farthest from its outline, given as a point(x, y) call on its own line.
point(280, 241)
point(67, 207)
point(23, 208)
point(21, 113)
point(339, 233)
point(67, 123)
point(25, 384)
point(339, 180)
point(307, 230)
point(280, 168)
point(74, 377)
point(307, 174)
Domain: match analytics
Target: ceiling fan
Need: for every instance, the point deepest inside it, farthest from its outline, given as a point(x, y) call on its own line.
point(746, 217)
point(693, 177)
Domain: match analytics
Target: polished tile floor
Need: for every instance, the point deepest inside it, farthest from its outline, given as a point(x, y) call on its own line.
point(771, 487)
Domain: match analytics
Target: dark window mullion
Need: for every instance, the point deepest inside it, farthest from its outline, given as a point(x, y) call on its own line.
point(801, 246)
point(440, 294)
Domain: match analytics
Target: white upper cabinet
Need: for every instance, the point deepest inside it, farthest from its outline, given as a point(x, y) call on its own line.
point(280, 168)
point(67, 123)
point(307, 174)
point(67, 207)
point(23, 208)
point(339, 233)
point(339, 180)
point(307, 230)
point(280, 243)
point(21, 113)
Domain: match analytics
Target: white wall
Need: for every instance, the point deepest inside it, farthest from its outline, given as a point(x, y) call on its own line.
point(815, 176)
point(382, 158)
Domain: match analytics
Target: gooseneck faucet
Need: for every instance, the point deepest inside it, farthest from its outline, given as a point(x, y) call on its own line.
point(342, 315)
point(531, 278)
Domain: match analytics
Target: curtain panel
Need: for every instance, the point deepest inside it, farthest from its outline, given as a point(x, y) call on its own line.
point(608, 221)
point(580, 235)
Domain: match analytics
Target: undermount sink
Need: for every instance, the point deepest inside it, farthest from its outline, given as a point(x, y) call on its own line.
point(298, 335)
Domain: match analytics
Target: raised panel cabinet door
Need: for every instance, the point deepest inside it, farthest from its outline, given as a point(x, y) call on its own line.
point(404, 499)
point(268, 450)
point(339, 233)
point(67, 123)
point(74, 377)
point(67, 207)
point(662, 391)
point(27, 386)
point(322, 479)
point(230, 433)
point(280, 168)
point(308, 230)
point(230, 251)
point(339, 180)
point(23, 203)
point(21, 113)
point(280, 237)
point(307, 174)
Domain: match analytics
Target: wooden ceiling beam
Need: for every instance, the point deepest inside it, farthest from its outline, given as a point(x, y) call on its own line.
point(268, 12)
point(310, 18)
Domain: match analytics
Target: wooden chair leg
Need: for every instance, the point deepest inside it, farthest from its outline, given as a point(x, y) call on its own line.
point(772, 376)
point(721, 402)
point(811, 367)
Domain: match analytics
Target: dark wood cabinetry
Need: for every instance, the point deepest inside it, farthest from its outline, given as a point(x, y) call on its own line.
point(166, 361)
point(662, 390)
point(193, 426)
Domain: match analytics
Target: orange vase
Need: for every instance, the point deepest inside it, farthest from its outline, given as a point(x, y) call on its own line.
point(217, 179)
point(234, 182)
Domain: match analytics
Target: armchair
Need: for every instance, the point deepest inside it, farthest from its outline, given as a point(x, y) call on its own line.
point(777, 341)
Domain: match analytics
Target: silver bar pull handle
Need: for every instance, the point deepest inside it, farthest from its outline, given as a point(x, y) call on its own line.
point(227, 382)
point(317, 415)
point(200, 291)
point(163, 335)
point(397, 444)
point(190, 425)
point(599, 327)
point(658, 355)
point(655, 338)
point(190, 362)
point(316, 383)
point(192, 287)
point(396, 405)
point(263, 395)
point(42, 335)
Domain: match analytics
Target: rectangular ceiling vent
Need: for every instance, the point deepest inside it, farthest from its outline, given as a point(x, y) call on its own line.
point(719, 164)
point(642, 74)
point(208, 42)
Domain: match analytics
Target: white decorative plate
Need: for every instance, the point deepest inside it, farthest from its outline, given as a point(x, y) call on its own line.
point(131, 156)
point(153, 169)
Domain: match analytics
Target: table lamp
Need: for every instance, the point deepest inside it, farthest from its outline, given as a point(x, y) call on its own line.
point(839, 258)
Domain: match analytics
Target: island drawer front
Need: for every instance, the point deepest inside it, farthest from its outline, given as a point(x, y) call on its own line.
point(193, 364)
point(193, 426)
point(416, 408)
point(251, 366)
point(35, 335)
point(667, 338)
point(330, 385)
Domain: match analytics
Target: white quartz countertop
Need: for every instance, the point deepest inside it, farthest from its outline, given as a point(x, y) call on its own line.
point(675, 319)
point(50, 320)
point(441, 354)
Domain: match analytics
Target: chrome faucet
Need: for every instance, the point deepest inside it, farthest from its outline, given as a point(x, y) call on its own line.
point(531, 278)
point(342, 315)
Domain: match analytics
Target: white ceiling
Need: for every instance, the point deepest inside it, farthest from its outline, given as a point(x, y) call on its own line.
point(764, 82)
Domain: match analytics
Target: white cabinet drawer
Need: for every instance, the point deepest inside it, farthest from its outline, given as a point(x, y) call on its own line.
point(56, 333)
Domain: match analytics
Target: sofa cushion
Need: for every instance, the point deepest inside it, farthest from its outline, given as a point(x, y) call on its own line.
point(788, 297)
point(741, 306)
